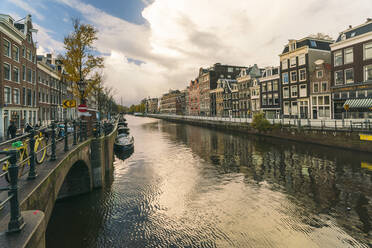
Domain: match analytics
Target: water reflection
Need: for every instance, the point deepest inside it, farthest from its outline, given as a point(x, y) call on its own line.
point(187, 186)
point(123, 155)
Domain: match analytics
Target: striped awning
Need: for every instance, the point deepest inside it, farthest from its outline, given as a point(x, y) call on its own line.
point(359, 103)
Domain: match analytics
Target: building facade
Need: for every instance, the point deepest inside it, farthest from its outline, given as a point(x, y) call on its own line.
point(194, 95)
point(208, 81)
point(320, 91)
point(151, 105)
point(270, 93)
point(352, 72)
point(296, 64)
point(245, 80)
point(230, 97)
point(18, 73)
point(170, 103)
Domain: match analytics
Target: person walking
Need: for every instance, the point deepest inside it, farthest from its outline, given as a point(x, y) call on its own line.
point(12, 130)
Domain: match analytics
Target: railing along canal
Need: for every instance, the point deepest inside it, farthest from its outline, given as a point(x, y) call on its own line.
point(60, 132)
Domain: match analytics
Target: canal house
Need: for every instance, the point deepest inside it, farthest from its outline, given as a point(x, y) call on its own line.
point(352, 72)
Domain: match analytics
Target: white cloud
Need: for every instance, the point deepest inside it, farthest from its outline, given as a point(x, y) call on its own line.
point(27, 7)
point(181, 36)
point(46, 44)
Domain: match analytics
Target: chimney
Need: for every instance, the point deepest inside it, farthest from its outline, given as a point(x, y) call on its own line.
point(350, 26)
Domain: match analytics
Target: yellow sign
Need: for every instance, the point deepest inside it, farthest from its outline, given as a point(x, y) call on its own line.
point(366, 165)
point(365, 137)
point(346, 107)
point(69, 103)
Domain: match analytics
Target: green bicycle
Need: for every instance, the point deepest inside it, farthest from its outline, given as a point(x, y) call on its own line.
point(23, 153)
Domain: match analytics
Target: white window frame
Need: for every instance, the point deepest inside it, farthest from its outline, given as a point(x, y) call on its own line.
point(317, 73)
point(17, 58)
point(346, 53)
point(345, 79)
point(299, 75)
point(285, 73)
point(286, 88)
point(336, 54)
point(369, 44)
point(286, 107)
point(294, 73)
point(285, 64)
point(293, 91)
point(365, 72)
point(14, 98)
point(10, 71)
point(9, 55)
point(17, 80)
point(322, 83)
point(295, 62)
point(342, 73)
point(317, 84)
point(10, 95)
point(302, 59)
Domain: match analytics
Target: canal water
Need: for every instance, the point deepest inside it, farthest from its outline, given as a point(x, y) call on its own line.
point(188, 186)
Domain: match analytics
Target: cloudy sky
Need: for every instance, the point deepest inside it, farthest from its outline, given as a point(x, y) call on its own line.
point(151, 46)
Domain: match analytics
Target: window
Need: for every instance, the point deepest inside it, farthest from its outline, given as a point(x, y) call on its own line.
point(23, 72)
point(301, 59)
point(275, 86)
point(269, 88)
point(264, 101)
point(361, 93)
point(302, 74)
point(7, 75)
point(349, 76)
point(292, 46)
point(286, 108)
point(29, 100)
point(285, 78)
point(367, 51)
point(339, 79)
point(23, 52)
point(16, 96)
point(338, 58)
point(24, 96)
point(368, 73)
point(285, 64)
point(316, 88)
point(33, 76)
point(303, 90)
point(348, 55)
point(6, 48)
point(230, 69)
point(15, 74)
point(319, 74)
point(326, 99)
point(314, 100)
point(270, 99)
point(29, 75)
point(313, 43)
point(28, 53)
point(285, 92)
point(324, 86)
point(293, 62)
point(293, 76)
point(294, 91)
point(294, 108)
point(15, 53)
point(276, 99)
point(263, 87)
point(7, 95)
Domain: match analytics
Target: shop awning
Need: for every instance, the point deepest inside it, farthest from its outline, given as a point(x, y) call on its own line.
point(359, 103)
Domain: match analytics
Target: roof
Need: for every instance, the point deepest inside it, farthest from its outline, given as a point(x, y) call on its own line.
point(353, 32)
point(359, 103)
point(311, 43)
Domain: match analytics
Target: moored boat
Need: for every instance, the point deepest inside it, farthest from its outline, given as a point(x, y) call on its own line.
point(124, 142)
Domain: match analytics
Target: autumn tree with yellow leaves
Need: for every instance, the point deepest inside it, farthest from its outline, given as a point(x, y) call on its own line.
point(80, 62)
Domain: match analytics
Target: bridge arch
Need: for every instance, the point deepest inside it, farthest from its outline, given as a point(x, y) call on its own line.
point(77, 181)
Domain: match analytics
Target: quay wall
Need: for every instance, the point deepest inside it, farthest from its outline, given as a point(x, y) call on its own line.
point(342, 138)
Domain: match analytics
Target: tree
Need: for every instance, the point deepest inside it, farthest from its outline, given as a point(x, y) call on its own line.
point(260, 123)
point(79, 61)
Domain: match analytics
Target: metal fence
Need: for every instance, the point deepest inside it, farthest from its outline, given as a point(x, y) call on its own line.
point(330, 124)
point(78, 131)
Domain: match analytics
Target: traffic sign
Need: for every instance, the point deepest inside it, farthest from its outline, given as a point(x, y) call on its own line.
point(69, 103)
point(82, 108)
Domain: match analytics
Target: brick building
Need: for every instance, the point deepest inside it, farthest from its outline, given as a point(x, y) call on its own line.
point(270, 92)
point(194, 95)
point(18, 73)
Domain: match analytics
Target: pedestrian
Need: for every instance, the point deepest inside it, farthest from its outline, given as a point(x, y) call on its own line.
point(12, 130)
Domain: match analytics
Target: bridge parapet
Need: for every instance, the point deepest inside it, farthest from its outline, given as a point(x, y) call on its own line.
point(74, 168)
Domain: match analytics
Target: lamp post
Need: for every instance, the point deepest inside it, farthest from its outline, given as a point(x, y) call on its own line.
point(81, 86)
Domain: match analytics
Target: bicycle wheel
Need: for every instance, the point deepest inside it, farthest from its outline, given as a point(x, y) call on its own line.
point(23, 156)
point(40, 152)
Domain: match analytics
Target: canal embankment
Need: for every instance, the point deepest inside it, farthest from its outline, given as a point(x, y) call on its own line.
point(346, 135)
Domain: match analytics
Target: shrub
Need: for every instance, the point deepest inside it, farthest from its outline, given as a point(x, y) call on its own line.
point(260, 123)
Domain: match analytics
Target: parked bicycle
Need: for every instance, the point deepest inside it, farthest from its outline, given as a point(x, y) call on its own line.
point(40, 149)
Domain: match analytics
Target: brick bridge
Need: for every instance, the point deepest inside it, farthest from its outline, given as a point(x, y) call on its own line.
point(84, 167)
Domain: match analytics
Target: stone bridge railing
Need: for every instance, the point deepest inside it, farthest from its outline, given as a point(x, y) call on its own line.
point(78, 162)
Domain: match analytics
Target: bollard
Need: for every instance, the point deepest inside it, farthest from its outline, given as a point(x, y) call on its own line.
point(32, 171)
point(16, 222)
point(53, 156)
point(75, 134)
point(66, 137)
point(335, 124)
point(351, 125)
